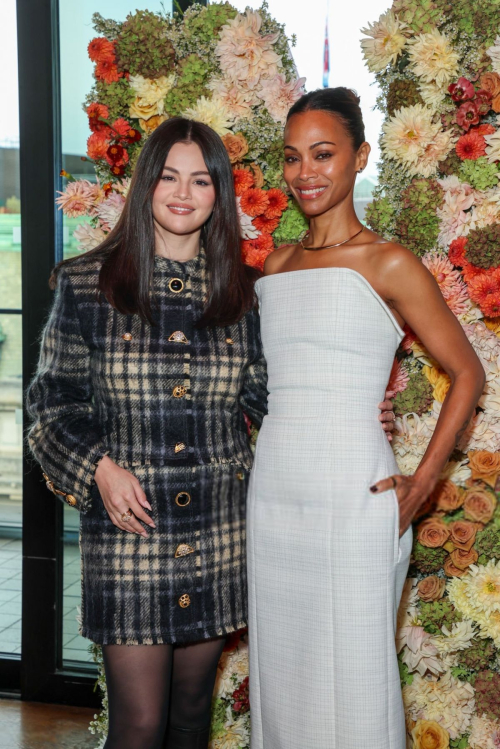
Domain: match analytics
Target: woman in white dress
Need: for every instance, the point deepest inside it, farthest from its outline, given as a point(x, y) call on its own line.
point(329, 534)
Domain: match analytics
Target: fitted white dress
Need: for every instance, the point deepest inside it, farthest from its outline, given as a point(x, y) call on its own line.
point(326, 565)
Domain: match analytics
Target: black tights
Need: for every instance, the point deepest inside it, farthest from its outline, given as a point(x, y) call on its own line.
point(151, 687)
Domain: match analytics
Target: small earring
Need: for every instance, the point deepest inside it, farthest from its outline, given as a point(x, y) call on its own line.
point(360, 170)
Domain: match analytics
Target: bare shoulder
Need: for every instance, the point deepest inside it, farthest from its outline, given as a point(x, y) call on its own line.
point(398, 269)
point(277, 259)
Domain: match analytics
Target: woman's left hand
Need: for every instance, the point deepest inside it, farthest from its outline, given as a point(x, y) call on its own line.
point(387, 417)
point(411, 492)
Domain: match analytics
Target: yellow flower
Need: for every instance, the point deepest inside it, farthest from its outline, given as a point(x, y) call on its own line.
point(145, 111)
point(149, 125)
point(211, 112)
point(428, 734)
point(151, 91)
point(386, 44)
point(440, 380)
point(408, 133)
point(493, 323)
point(433, 58)
point(476, 595)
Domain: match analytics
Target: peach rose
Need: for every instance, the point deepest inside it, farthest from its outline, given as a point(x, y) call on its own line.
point(479, 505)
point(450, 569)
point(433, 532)
point(485, 466)
point(431, 588)
point(447, 496)
point(490, 82)
point(236, 146)
point(462, 534)
point(149, 125)
point(428, 734)
point(495, 104)
point(462, 559)
point(143, 111)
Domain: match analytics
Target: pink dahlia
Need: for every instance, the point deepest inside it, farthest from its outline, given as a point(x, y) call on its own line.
point(279, 96)
point(467, 115)
point(399, 379)
point(461, 90)
point(109, 211)
point(77, 199)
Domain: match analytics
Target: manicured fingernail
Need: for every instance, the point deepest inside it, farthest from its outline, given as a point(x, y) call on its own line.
point(149, 506)
point(144, 535)
point(374, 489)
point(152, 525)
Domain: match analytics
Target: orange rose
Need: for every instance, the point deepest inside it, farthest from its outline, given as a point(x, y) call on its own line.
point(485, 466)
point(428, 734)
point(447, 496)
point(433, 532)
point(462, 559)
point(462, 534)
point(495, 104)
point(490, 82)
point(431, 588)
point(236, 146)
point(149, 125)
point(450, 569)
point(479, 505)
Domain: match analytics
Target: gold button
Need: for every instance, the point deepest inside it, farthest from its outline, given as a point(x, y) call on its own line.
point(178, 337)
point(179, 391)
point(229, 341)
point(180, 446)
point(70, 500)
point(183, 499)
point(183, 550)
point(176, 285)
point(184, 601)
point(240, 475)
point(127, 336)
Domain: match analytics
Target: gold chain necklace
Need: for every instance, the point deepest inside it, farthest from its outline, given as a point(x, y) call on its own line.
point(330, 246)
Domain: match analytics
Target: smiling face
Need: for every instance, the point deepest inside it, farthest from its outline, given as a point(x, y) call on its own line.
point(320, 161)
point(184, 197)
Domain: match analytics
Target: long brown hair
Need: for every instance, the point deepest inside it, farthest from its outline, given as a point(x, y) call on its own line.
point(128, 251)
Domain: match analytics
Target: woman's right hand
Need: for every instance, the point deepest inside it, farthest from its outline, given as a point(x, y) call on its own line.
point(121, 493)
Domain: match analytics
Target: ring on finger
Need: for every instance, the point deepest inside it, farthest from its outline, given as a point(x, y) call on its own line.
point(394, 482)
point(126, 517)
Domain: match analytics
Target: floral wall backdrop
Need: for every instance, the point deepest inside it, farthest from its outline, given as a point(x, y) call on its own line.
point(438, 66)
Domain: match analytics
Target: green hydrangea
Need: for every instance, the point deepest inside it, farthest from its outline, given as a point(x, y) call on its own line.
point(483, 247)
point(450, 165)
point(379, 216)
point(265, 139)
point(487, 544)
point(478, 18)
point(427, 560)
point(478, 655)
point(292, 226)
point(142, 46)
point(420, 15)
point(435, 614)
point(117, 96)
point(416, 398)
point(106, 26)
point(189, 86)
point(203, 23)
point(417, 224)
point(461, 742)
point(402, 93)
point(487, 689)
point(219, 718)
point(479, 173)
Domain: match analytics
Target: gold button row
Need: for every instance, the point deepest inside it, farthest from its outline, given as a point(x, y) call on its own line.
point(69, 498)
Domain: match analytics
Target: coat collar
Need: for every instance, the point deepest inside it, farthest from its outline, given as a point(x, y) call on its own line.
point(188, 268)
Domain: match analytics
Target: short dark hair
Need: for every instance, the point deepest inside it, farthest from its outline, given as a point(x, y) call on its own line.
point(128, 251)
point(341, 102)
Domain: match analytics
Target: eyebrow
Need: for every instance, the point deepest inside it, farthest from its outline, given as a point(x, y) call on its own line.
point(176, 171)
point(319, 143)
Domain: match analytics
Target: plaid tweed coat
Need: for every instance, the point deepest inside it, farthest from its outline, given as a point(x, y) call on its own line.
point(166, 402)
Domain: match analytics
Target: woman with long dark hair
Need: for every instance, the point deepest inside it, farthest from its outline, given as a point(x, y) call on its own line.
point(329, 534)
point(149, 358)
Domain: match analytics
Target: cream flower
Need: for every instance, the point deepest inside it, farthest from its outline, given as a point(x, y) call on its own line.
point(244, 54)
point(437, 150)
point(487, 208)
point(236, 733)
point(109, 211)
point(446, 700)
point(433, 58)
point(483, 433)
point(408, 133)
point(482, 731)
point(419, 651)
point(471, 314)
point(432, 93)
point(88, 236)
point(407, 611)
point(493, 144)
point(493, 53)
point(410, 440)
point(387, 42)
point(459, 638)
point(457, 471)
point(247, 229)
point(278, 95)
point(476, 595)
point(455, 221)
point(152, 91)
point(236, 99)
point(211, 112)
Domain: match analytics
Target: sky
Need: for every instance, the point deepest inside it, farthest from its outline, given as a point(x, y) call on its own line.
point(306, 19)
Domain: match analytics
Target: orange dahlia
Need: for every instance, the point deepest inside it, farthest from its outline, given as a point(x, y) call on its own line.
point(277, 203)
point(484, 289)
point(266, 225)
point(97, 113)
point(471, 146)
point(456, 251)
point(97, 145)
point(100, 49)
point(255, 251)
point(486, 129)
point(254, 202)
point(243, 180)
point(107, 71)
point(121, 127)
point(470, 271)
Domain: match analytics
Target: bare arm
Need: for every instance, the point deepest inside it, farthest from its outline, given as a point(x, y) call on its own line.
point(415, 295)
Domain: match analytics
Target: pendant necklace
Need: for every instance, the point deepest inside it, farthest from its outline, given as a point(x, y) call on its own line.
point(330, 246)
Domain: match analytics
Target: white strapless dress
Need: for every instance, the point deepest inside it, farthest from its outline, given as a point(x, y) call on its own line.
point(325, 563)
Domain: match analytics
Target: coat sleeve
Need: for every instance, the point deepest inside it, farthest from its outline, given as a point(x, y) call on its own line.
point(65, 436)
point(253, 396)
